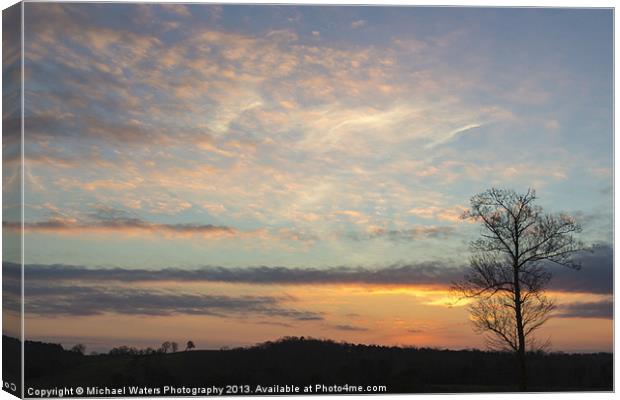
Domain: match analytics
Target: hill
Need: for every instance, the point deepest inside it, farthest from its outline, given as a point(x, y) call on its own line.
point(300, 362)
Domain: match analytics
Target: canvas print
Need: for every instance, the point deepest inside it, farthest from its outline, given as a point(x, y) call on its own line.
point(220, 199)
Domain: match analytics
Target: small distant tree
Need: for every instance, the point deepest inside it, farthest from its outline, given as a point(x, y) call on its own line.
point(174, 346)
point(120, 351)
point(79, 348)
point(165, 346)
point(507, 275)
point(190, 345)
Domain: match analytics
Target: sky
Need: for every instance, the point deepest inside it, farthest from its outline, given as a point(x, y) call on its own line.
point(235, 174)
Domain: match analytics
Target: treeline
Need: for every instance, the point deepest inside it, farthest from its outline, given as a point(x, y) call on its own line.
point(166, 347)
point(305, 361)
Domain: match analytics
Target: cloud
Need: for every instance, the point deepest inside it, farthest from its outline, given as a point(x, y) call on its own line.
point(174, 101)
point(595, 275)
point(358, 23)
point(43, 299)
point(598, 309)
point(452, 214)
point(274, 323)
point(178, 9)
point(403, 235)
point(283, 35)
point(131, 226)
point(553, 125)
point(323, 125)
point(110, 220)
point(349, 328)
point(417, 274)
point(453, 134)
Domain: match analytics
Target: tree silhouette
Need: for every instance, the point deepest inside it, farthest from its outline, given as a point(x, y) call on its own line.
point(506, 277)
point(174, 346)
point(165, 346)
point(79, 348)
point(190, 345)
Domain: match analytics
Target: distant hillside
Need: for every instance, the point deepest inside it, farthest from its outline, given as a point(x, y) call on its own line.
point(299, 361)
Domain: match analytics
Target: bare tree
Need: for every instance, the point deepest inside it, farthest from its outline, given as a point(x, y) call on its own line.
point(165, 346)
point(190, 345)
point(506, 278)
point(79, 348)
point(174, 346)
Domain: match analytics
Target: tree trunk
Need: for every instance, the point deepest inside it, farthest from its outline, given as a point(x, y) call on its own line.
point(520, 334)
point(522, 371)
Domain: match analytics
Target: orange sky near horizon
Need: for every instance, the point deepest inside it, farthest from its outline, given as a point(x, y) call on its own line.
point(373, 314)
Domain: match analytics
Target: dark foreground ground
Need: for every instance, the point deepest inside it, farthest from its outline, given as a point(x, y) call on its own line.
point(295, 361)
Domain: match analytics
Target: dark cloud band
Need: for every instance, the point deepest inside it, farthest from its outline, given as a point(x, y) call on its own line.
point(598, 309)
point(120, 225)
point(418, 274)
point(595, 276)
point(44, 299)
